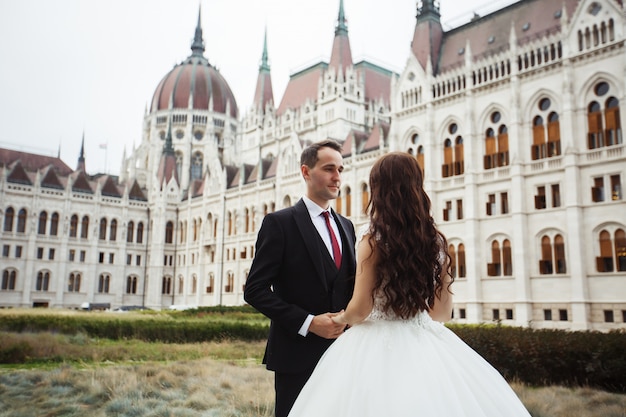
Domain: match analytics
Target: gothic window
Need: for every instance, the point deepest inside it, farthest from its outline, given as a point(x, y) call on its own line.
point(74, 226)
point(453, 163)
point(608, 261)
point(496, 143)
point(604, 125)
point(169, 232)
point(196, 166)
point(9, 277)
point(365, 198)
point(546, 140)
point(230, 282)
point(43, 281)
point(209, 288)
point(501, 259)
point(130, 230)
point(73, 284)
point(43, 219)
point(420, 156)
point(84, 227)
point(104, 283)
point(166, 286)
point(54, 224)
point(113, 230)
point(103, 229)
point(21, 221)
point(8, 219)
point(140, 232)
point(131, 284)
point(181, 284)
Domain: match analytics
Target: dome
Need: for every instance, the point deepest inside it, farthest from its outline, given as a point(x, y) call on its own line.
point(196, 83)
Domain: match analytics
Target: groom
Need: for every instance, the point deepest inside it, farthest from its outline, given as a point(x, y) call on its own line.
point(303, 273)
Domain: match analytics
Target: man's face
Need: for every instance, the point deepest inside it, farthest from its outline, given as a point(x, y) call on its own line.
point(324, 179)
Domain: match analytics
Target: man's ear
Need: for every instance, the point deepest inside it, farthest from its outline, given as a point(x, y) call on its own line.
point(305, 171)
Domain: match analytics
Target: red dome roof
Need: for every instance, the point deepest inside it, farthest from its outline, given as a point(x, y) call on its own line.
point(195, 78)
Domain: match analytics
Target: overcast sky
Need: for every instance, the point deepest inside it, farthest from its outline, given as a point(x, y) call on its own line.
point(74, 66)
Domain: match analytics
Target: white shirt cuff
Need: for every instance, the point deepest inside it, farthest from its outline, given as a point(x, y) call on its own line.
point(304, 330)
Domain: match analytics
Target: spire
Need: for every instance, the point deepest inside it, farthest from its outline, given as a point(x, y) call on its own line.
point(167, 165)
point(342, 28)
point(264, 64)
point(81, 157)
point(197, 47)
point(168, 148)
point(428, 34)
point(341, 56)
point(264, 93)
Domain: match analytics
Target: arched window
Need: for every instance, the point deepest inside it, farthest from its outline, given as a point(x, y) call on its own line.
point(496, 147)
point(8, 219)
point(453, 163)
point(169, 232)
point(181, 282)
point(103, 229)
point(74, 226)
point(140, 232)
point(612, 122)
point(452, 253)
point(130, 231)
point(21, 221)
point(209, 288)
point(559, 255)
point(507, 260)
point(604, 262)
point(54, 224)
point(620, 249)
point(494, 269)
point(84, 228)
point(166, 287)
point(73, 284)
point(113, 231)
point(194, 284)
point(196, 166)
point(545, 263)
point(9, 276)
point(595, 136)
point(43, 281)
point(43, 219)
point(462, 269)
point(230, 282)
point(604, 125)
point(348, 202)
point(131, 284)
point(420, 156)
point(104, 283)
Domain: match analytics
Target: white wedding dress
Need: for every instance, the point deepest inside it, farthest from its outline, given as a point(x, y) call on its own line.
point(389, 367)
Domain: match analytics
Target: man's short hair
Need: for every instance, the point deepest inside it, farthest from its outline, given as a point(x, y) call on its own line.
point(309, 154)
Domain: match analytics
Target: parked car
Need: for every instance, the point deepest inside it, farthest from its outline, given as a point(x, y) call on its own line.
point(123, 309)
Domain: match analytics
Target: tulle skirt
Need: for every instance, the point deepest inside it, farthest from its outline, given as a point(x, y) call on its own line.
point(394, 368)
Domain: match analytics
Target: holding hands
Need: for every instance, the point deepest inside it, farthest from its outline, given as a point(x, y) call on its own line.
point(324, 325)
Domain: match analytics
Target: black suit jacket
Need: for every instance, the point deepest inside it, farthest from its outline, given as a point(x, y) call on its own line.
point(292, 276)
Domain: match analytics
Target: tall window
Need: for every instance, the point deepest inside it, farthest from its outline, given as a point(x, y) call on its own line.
point(181, 284)
point(84, 228)
point(8, 219)
point(21, 221)
point(113, 230)
point(552, 256)
point(612, 251)
point(104, 283)
point(209, 288)
point(103, 229)
point(130, 231)
point(196, 166)
point(603, 119)
point(9, 276)
point(43, 281)
point(457, 266)
point(546, 142)
point(131, 284)
point(169, 232)
point(496, 143)
point(348, 202)
point(73, 284)
point(74, 226)
point(140, 232)
point(166, 286)
point(43, 219)
point(54, 224)
point(230, 282)
point(453, 160)
point(501, 259)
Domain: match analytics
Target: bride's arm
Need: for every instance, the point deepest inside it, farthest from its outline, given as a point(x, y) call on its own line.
point(442, 307)
point(361, 304)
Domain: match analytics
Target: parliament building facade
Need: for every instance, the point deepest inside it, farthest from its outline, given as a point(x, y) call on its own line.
point(515, 118)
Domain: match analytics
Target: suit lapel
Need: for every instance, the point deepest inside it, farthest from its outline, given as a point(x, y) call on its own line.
point(309, 237)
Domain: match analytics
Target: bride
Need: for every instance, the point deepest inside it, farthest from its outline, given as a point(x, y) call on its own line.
point(397, 359)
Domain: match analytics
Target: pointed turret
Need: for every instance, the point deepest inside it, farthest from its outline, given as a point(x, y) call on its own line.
point(167, 165)
point(197, 47)
point(428, 34)
point(81, 158)
point(264, 93)
point(341, 56)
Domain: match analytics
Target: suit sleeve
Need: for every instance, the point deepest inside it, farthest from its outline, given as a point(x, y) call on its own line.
point(265, 272)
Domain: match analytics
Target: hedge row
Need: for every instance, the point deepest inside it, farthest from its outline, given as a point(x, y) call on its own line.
point(535, 357)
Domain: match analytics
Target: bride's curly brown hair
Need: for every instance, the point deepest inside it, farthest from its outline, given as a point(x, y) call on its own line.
point(411, 252)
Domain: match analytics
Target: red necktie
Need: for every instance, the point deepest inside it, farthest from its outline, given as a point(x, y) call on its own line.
point(333, 240)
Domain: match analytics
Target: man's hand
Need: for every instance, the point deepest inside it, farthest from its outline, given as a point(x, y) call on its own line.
point(324, 326)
